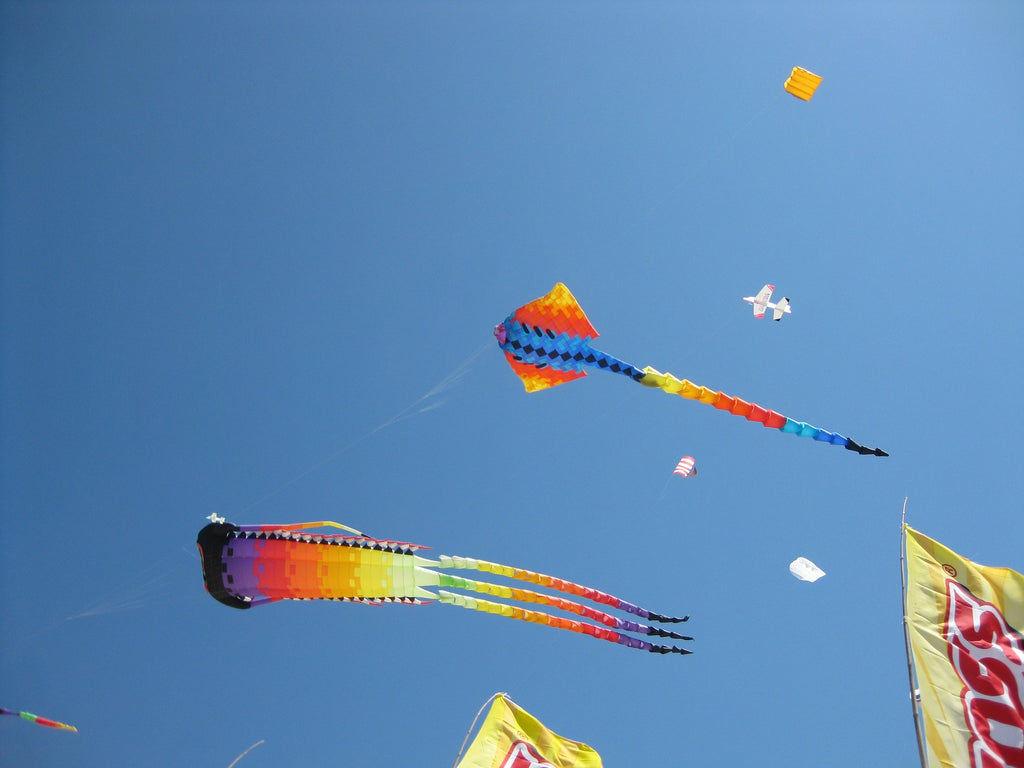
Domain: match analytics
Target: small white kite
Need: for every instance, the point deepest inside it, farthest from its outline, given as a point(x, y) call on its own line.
point(805, 570)
point(762, 302)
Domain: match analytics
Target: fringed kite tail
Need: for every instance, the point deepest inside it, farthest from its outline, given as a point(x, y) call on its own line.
point(560, 585)
point(750, 411)
point(539, 598)
point(538, 617)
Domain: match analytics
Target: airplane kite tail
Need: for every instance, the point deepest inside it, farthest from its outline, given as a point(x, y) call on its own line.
point(750, 411)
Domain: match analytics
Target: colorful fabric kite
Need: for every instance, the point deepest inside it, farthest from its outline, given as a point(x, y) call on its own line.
point(511, 737)
point(685, 467)
point(250, 565)
point(547, 342)
point(802, 83)
point(38, 720)
point(964, 626)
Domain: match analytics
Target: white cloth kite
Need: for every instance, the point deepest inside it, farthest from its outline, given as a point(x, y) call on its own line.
point(805, 570)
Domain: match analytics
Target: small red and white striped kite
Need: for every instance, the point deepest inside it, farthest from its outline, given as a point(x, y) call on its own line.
point(685, 467)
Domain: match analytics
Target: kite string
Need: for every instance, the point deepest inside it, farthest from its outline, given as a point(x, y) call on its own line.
point(664, 488)
point(119, 598)
point(472, 726)
point(446, 383)
point(250, 749)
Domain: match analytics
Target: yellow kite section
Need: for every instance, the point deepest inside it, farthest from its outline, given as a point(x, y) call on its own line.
point(802, 83)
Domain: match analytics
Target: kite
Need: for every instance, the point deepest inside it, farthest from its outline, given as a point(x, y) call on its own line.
point(249, 565)
point(685, 467)
point(38, 720)
point(802, 83)
point(805, 570)
point(547, 343)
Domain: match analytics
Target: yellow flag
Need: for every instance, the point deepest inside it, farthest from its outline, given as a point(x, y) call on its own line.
point(964, 624)
point(511, 737)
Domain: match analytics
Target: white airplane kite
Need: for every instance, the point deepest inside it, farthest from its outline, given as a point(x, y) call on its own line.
point(761, 303)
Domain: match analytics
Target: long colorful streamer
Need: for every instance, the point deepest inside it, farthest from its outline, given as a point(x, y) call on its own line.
point(38, 720)
point(250, 565)
point(547, 343)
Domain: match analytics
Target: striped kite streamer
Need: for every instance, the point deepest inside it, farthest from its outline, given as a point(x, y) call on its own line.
point(38, 720)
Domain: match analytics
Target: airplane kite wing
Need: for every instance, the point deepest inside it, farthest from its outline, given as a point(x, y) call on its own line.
point(250, 565)
point(760, 301)
point(548, 342)
point(780, 309)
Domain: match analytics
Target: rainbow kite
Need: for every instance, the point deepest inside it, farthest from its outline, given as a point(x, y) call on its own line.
point(248, 565)
point(38, 720)
point(547, 342)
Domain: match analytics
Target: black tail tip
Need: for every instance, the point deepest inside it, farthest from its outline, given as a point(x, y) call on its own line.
point(852, 445)
point(667, 619)
point(659, 632)
point(663, 649)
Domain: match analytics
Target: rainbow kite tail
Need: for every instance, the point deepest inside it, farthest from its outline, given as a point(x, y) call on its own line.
point(539, 598)
point(561, 585)
point(537, 617)
point(618, 626)
point(39, 720)
point(750, 411)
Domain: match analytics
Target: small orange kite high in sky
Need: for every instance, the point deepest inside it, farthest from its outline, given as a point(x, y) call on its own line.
point(802, 83)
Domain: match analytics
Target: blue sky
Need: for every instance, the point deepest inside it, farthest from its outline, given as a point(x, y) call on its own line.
point(237, 240)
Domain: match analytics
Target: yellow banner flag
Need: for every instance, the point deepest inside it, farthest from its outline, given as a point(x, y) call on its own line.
point(511, 737)
point(964, 621)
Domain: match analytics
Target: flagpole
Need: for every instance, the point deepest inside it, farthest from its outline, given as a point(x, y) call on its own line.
point(906, 635)
point(471, 727)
